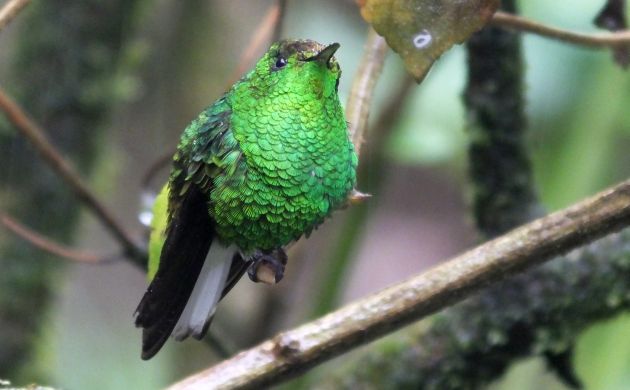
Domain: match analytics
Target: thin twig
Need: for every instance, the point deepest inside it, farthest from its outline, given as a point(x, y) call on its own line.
point(599, 40)
point(362, 91)
point(46, 244)
point(277, 28)
point(156, 166)
point(370, 176)
point(10, 10)
point(292, 352)
point(357, 112)
point(269, 29)
point(218, 345)
point(266, 30)
point(36, 136)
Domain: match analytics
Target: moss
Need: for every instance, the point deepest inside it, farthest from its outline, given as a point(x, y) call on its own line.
point(499, 168)
point(66, 52)
point(540, 312)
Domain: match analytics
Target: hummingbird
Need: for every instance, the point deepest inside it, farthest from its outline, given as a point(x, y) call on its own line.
point(259, 168)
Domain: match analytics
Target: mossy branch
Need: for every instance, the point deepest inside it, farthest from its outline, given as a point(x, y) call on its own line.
point(540, 312)
point(292, 352)
point(71, 106)
point(499, 167)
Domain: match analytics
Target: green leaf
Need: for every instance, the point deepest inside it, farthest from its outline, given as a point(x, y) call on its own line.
point(420, 31)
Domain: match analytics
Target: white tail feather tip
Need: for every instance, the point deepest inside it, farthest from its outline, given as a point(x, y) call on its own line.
point(206, 294)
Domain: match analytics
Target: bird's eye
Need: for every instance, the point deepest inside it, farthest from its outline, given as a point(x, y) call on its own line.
point(280, 62)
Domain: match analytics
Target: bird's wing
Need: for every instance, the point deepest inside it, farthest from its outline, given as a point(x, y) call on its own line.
point(183, 254)
point(190, 230)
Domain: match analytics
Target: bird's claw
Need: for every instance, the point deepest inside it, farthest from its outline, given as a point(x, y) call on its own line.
point(267, 267)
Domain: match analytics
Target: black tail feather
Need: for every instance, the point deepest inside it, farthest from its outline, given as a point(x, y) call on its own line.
point(188, 240)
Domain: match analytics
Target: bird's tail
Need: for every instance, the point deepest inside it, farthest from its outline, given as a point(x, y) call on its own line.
point(201, 305)
point(193, 272)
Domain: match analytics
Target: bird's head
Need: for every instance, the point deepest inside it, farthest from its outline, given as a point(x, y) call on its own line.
point(297, 66)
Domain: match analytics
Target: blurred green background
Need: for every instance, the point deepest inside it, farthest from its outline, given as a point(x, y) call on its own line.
point(182, 58)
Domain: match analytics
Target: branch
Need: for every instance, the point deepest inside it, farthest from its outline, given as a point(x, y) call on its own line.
point(277, 29)
point(269, 29)
point(600, 40)
point(161, 162)
point(540, 313)
point(292, 352)
point(362, 91)
point(472, 343)
point(333, 270)
point(50, 246)
point(454, 349)
point(36, 136)
point(10, 10)
point(38, 72)
point(33, 386)
point(499, 168)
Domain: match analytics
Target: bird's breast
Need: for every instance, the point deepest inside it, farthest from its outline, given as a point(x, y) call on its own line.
point(298, 166)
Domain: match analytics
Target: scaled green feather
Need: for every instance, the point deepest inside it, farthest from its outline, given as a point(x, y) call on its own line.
point(273, 153)
point(256, 170)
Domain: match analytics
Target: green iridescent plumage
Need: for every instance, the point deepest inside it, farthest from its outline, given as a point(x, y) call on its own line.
point(274, 151)
point(267, 162)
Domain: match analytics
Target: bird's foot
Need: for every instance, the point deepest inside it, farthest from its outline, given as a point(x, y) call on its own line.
point(267, 267)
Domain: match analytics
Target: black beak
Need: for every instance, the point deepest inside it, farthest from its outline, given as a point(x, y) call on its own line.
point(326, 54)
